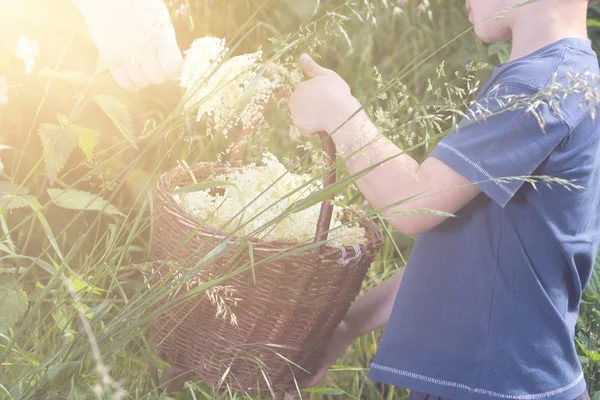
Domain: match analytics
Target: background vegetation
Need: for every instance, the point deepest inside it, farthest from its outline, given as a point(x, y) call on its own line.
point(67, 258)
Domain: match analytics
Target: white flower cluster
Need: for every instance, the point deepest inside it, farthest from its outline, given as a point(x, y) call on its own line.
point(267, 190)
point(217, 88)
point(28, 51)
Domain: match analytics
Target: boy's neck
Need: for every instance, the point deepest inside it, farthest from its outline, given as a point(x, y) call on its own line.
point(538, 25)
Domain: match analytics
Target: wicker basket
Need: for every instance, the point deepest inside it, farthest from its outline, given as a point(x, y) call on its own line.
point(287, 308)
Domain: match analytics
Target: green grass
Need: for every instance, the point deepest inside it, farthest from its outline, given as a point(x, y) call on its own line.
point(47, 351)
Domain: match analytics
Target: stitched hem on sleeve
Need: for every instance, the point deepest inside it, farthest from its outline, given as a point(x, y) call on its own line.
point(462, 164)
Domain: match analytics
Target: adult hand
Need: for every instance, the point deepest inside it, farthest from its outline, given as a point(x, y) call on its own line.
point(321, 103)
point(342, 339)
point(135, 38)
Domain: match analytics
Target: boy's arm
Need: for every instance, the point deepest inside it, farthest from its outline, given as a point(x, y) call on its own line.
point(431, 185)
point(325, 102)
point(372, 310)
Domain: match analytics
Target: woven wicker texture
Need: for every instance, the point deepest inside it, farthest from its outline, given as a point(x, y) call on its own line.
point(288, 307)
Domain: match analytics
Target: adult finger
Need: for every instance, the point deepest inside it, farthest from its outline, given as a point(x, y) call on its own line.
point(170, 59)
point(137, 75)
point(153, 69)
point(311, 68)
point(120, 75)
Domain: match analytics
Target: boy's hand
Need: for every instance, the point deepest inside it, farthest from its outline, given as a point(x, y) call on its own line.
point(135, 38)
point(322, 103)
point(341, 340)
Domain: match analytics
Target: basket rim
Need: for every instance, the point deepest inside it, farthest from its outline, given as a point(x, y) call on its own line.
point(372, 233)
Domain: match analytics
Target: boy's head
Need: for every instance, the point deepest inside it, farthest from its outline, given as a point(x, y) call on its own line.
point(494, 20)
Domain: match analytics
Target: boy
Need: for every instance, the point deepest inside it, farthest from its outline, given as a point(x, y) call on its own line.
point(489, 299)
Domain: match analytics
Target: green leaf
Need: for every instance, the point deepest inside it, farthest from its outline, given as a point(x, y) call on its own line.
point(324, 194)
point(249, 92)
point(12, 188)
point(501, 50)
point(11, 202)
point(13, 301)
point(63, 120)
point(596, 396)
point(80, 285)
point(119, 115)
point(59, 375)
point(58, 142)
point(78, 200)
point(88, 140)
point(215, 252)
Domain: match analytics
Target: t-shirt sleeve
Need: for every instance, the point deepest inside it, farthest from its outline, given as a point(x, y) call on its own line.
point(503, 139)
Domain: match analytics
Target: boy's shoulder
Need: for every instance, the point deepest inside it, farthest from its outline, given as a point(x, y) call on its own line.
point(566, 71)
point(558, 61)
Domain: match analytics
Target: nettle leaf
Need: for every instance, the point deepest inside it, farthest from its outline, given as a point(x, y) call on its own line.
point(12, 202)
point(88, 140)
point(12, 197)
point(13, 301)
point(7, 187)
point(119, 115)
point(58, 142)
point(79, 200)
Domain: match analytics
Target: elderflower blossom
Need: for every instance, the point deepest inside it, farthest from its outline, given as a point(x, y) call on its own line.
point(218, 87)
point(28, 51)
point(257, 191)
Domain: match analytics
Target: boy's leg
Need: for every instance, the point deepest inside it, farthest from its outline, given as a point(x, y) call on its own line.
point(584, 396)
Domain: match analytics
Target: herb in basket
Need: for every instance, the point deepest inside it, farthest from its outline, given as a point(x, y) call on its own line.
point(258, 194)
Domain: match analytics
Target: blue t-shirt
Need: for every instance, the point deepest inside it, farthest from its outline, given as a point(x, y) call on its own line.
point(489, 300)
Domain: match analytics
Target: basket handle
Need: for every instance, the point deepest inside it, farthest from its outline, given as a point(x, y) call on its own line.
point(324, 221)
